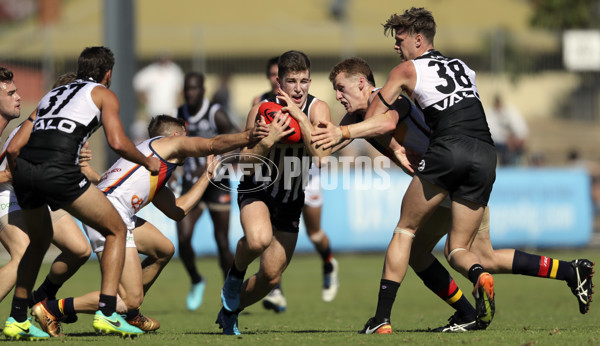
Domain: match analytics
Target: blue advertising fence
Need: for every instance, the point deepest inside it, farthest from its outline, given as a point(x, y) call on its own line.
point(528, 208)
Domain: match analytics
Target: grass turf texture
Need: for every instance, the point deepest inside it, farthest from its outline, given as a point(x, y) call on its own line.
point(528, 310)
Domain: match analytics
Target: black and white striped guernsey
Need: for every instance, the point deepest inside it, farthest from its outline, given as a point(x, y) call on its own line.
point(293, 163)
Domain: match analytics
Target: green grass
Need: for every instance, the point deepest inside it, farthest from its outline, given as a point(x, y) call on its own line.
point(528, 310)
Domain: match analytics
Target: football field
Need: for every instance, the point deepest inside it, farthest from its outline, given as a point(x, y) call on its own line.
point(528, 310)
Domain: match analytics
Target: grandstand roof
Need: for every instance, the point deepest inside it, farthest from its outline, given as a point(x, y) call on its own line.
point(259, 28)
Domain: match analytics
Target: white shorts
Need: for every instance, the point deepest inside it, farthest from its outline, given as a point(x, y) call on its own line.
point(9, 204)
point(313, 193)
point(97, 240)
point(8, 201)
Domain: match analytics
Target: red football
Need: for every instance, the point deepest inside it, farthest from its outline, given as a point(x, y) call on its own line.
point(268, 111)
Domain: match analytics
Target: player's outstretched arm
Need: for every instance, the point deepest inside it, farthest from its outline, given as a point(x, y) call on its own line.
point(113, 128)
point(199, 146)
point(177, 208)
point(329, 135)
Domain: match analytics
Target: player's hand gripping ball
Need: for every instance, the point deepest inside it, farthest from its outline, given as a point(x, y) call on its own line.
point(269, 109)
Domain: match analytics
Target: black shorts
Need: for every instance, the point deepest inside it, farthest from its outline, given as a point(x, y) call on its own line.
point(284, 216)
point(213, 195)
point(52, 183)
point(464, 166)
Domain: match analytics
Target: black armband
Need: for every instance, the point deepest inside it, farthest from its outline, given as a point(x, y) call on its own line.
point(382, 100)
point(31, 119)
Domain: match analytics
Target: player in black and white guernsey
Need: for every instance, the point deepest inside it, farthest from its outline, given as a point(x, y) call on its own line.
point(270, 214)
point(460, 160)
point(203, 119)
point(311, 214)
point(285, 188)
point(46, 173)
point(407, 126)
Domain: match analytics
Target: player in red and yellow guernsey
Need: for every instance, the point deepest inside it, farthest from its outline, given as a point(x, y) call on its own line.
point(130, 187)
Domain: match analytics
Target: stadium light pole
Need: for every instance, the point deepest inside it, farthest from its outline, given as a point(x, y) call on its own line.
point(119, 36)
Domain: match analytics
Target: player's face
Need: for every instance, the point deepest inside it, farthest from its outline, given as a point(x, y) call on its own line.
point(405, 45)
point(193, 91)
point(348, 92)
point(296, 84)
point(10, 101)
point(273, 76)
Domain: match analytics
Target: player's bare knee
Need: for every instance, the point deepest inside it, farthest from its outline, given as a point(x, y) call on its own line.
point(166, 254)
point(170, 250)
point(17, 251)
point(83, 255)
point(17, 254)
point(114, 229)
point(81, 251)
point(316, 237)
point(259, 242)
point(133, 300)
point(273, 280)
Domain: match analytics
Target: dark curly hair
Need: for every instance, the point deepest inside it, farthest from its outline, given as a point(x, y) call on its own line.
point(94, 62)
point(6, 75)
point(414, 21)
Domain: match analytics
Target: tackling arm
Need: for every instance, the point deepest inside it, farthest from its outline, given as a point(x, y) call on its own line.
point(20, 139)
point(177, 208)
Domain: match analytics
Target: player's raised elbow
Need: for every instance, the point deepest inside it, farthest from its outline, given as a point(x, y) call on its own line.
point(12, 152)
point(177, 214)
point(115, 143)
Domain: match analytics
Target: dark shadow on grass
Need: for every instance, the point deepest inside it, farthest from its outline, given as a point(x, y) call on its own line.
point(221, 333)
point(84, 334)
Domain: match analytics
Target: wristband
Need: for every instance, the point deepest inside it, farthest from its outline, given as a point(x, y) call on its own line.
point(31, 119)
point(345, 132)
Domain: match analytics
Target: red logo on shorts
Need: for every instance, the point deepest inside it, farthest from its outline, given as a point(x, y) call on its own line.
point(136, 202)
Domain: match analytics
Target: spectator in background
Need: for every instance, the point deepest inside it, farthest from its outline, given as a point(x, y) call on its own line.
point(271, 73)
point(222, 95)
point(537, 159)
point(159, 86)
point(574, 159)
point(509, 132)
